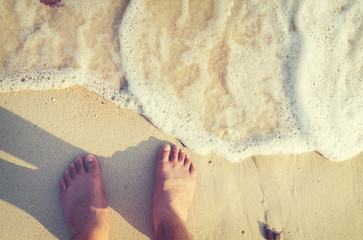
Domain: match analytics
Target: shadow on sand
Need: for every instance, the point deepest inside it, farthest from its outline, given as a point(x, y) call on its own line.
point(128, 175)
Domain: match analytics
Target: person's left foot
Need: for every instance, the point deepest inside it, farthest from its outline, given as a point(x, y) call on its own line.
point(83, 199)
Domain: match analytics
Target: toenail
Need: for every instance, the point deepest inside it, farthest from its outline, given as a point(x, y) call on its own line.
point(166, 148)
point(89, 158)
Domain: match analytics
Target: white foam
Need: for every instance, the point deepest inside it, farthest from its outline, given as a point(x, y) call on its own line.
point(47, 48)
point(330, 83)
point(237, 78)
point(294, 133)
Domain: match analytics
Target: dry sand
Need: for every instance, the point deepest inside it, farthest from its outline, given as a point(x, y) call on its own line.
point(41, 132)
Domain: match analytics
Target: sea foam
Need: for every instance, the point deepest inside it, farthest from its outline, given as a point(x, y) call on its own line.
point(236, 78)
point(244, 78)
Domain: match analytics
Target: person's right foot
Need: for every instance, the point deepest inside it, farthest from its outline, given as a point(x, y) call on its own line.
point(175, 182)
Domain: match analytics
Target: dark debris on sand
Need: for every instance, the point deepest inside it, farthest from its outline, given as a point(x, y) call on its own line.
point(272, 234)
point(52, 3)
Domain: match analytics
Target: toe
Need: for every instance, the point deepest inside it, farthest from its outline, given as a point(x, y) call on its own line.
point(181, 156)
point(174, 153)
point(67, 177)
point(79, 165)
point(164, 153)
point(187, 162)
point(62, 185)
point(192, 169)
point(72, 170)
point(92, 164)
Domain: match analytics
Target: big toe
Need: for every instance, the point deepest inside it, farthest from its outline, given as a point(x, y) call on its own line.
point(164, 152)
point(92, 164)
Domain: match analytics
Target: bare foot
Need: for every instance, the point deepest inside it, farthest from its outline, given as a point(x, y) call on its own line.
point(175, 182)
point(83, 199)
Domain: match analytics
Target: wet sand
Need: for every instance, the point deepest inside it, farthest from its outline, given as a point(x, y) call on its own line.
point(306, 196)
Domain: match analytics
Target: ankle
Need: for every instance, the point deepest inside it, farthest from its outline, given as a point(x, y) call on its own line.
point(165, 214)
point(172, 228)
point(96, 234)
point(168, 218)
point(96, 229)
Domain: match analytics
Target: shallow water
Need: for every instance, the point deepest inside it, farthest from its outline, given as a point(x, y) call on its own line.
point(236, 78)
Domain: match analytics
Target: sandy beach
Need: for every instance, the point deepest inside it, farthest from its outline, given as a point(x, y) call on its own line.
point(306, 196)
point(234, 79)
